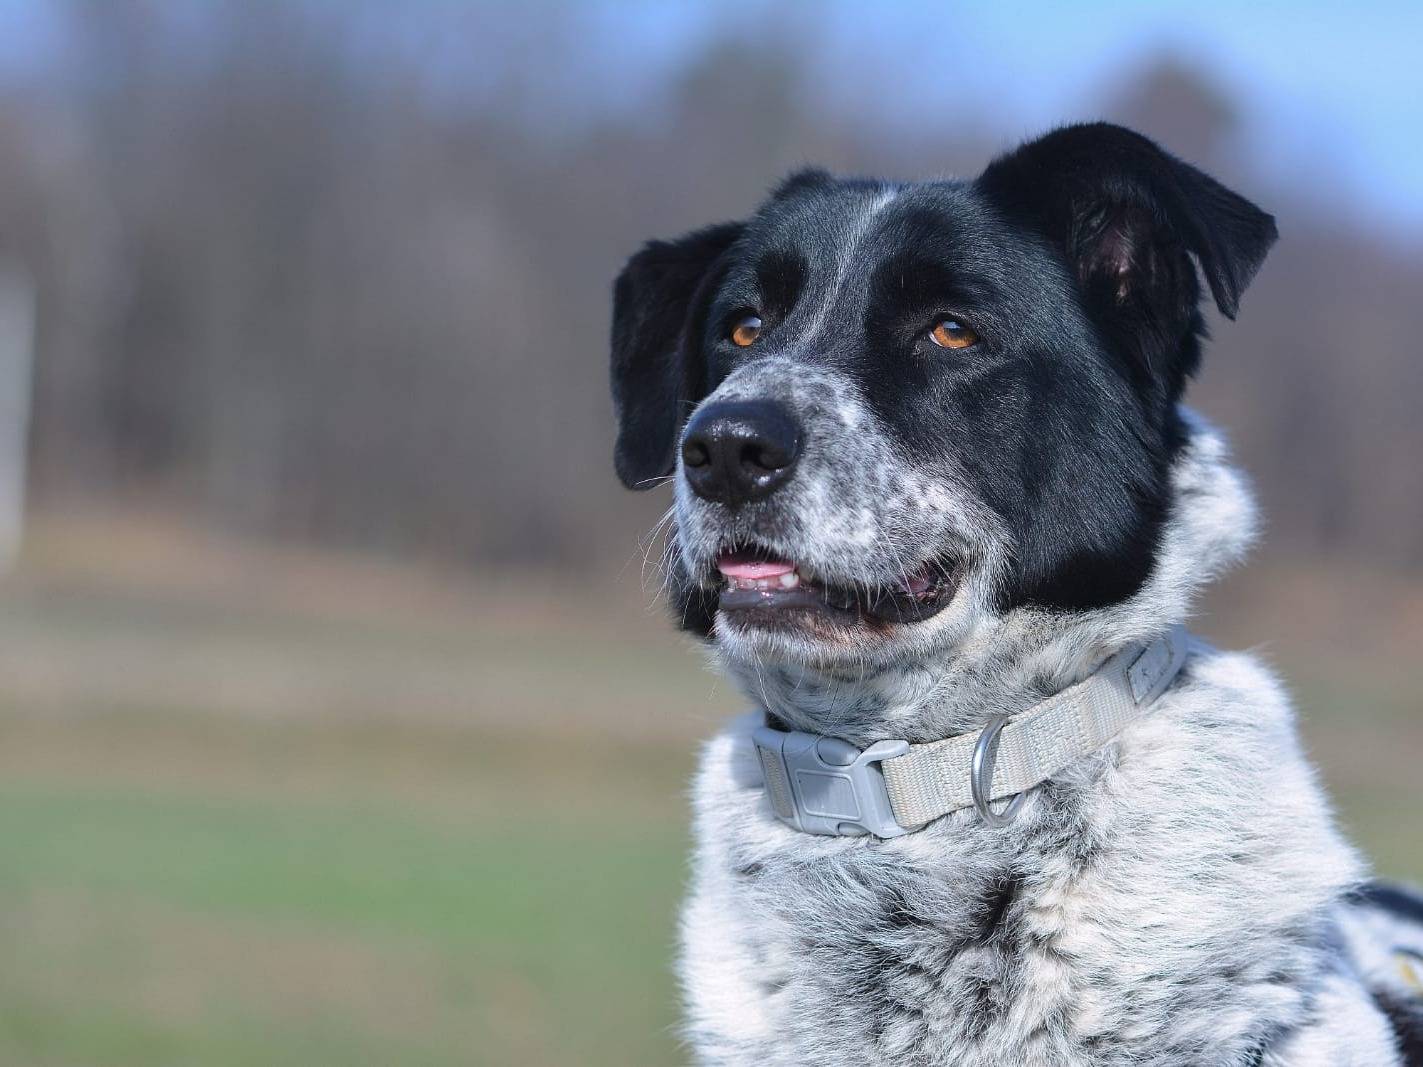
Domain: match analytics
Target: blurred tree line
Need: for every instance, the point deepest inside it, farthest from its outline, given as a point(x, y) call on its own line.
point(341, 272)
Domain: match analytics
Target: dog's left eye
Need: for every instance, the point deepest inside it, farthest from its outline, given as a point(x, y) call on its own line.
point(746, 331)
point(951, 333)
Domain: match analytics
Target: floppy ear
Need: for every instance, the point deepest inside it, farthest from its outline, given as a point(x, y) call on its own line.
point(657, 371)
point(1129, 216)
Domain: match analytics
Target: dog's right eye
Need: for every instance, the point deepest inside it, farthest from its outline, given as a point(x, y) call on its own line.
point(951, 333)
point(746, 331)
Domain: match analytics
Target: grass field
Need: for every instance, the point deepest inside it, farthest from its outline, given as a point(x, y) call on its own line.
point(166, 927)
point(297, 814)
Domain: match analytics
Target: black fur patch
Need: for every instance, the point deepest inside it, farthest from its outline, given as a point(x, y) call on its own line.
point(1406, 1018)
point(1390, 898)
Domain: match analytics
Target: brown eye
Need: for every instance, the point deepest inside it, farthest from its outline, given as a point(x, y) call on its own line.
point(950, 333)
point(746, 331)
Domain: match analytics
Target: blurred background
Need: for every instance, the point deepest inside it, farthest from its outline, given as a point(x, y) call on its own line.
point(338, 720)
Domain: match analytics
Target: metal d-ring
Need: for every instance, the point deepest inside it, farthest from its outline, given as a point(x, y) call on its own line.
point(980, 780)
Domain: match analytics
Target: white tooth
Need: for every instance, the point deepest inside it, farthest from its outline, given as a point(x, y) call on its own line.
point(746, 583)
point(790, 581)
point(764, 584)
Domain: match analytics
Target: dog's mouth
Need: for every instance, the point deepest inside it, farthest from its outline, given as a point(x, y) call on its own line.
point(760, 589)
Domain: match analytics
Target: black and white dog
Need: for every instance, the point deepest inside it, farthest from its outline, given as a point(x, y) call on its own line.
point(932, 475)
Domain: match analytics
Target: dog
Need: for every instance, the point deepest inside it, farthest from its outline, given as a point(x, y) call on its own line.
point(933, 480)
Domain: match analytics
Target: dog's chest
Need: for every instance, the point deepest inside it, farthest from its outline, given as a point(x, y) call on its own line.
point(1125, 919)
point(870, 956)
point(896, 960)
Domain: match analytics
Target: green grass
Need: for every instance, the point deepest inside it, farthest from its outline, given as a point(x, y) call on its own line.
point(178, 915)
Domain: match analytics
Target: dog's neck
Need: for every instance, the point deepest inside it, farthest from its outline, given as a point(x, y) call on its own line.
point(1005, 663)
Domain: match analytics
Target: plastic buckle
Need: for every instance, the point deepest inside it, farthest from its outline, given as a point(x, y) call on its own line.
point(822, 785)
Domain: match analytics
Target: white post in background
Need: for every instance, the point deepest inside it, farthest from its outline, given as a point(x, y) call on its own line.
point(17, 337)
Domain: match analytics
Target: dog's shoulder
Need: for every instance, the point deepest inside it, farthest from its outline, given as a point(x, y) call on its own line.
point(1225, 729)
point(1216, 781)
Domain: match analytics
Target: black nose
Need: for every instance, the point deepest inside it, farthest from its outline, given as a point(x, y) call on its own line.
point(734, 452)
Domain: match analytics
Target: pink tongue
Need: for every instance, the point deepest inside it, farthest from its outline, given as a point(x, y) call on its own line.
point(734, 566)
point(918, 583)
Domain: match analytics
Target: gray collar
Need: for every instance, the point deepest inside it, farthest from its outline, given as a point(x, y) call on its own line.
point(823, 785)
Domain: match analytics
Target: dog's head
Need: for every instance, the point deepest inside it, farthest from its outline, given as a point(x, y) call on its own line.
point(888, 409)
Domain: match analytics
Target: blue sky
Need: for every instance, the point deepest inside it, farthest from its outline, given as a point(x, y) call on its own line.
point(1331, 87)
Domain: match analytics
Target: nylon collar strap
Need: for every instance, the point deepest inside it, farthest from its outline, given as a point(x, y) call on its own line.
point(823, 785)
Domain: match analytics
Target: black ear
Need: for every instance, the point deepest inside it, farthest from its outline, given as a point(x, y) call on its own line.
point(657, 373)
point(1129, 216)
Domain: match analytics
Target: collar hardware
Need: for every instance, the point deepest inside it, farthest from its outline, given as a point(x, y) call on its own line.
point(824, 785)
point(980, 779)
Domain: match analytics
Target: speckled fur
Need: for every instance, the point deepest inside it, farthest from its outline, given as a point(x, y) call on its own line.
point(857, 512)
point(1172, 900)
